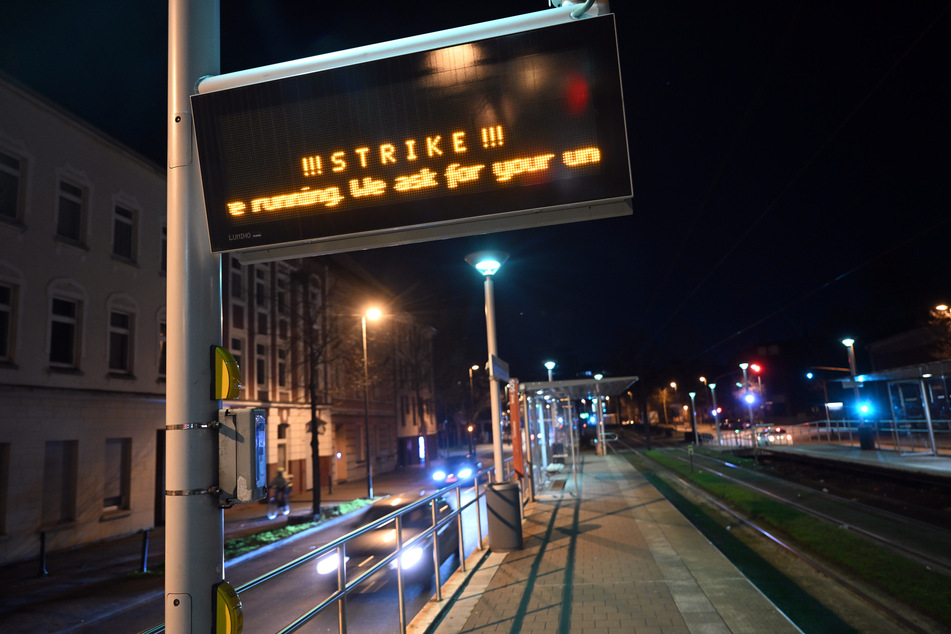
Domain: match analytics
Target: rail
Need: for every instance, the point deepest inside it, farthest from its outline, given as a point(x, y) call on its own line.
point(346, 586)
point(905, 437)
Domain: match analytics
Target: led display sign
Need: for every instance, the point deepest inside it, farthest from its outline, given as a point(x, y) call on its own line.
point(491, 128)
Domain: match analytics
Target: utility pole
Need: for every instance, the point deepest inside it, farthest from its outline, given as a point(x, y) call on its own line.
point(194, 560)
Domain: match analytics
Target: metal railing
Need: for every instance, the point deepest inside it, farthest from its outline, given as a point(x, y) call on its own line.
point(906, 437)
point(347, 586)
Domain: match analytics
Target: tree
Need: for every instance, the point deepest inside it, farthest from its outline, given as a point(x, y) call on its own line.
point(939, 325)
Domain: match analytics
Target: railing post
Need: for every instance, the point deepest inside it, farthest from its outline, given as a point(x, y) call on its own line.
point(459, 527)
point(145, 550)
point(399, 572)
point(436, 550)
point(43, 571)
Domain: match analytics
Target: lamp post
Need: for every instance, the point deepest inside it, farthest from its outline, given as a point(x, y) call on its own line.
point(488, 264)
point(693, 407)
point(470, 419)
point(372, 314)
point(549, 365)
point(850, 343)
point(716, 414)
point(746, 397)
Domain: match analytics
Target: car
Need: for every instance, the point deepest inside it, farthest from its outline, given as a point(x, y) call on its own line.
point(370, 547)
point(774, 436)
point(456, 469)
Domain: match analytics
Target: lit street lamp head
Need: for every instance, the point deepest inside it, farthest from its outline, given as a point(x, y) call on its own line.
point(487, 262)
point(373, 313)
point(848, 342)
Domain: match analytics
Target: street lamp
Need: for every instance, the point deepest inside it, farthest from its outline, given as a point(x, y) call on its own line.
point(488, 264)
point(549, 365)
point(850, 343)
point(693, 407)
point(373, 314)
point(716, 413)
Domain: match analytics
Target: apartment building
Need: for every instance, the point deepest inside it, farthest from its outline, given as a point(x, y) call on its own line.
point(83, 332)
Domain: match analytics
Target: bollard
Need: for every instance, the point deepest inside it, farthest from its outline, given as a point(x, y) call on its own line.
point(145, 550)
point(43, 571)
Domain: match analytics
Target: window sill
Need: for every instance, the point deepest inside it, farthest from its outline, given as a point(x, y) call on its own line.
point(122, 376)
point(124, 260)
point(55, 369)
point(71, 243)
point(108, 516)
point(58, 526)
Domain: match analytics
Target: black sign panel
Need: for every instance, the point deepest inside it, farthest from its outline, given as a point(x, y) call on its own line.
point(516, 123)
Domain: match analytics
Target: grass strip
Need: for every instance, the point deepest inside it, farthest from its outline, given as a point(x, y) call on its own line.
point(241, 545)
point(909, 581)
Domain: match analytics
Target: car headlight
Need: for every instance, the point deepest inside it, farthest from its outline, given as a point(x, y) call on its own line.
point(328, 564)
point(464, 473)
point(411, 557)
point(439, 475)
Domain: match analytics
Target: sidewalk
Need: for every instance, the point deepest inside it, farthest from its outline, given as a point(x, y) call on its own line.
point(613, 556)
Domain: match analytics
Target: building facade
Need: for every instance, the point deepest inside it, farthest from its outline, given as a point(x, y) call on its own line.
point(83, 333)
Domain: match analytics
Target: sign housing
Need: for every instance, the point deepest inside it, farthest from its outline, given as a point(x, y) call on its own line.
point(503, 132)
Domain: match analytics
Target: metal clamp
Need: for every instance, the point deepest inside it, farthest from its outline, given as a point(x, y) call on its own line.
point(187, 426)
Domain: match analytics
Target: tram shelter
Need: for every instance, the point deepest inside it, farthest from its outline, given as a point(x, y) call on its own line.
point(551, 413)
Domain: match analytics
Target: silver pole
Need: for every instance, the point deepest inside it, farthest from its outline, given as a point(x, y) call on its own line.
point(194, 561)
point(493, 382)
point(366, 412)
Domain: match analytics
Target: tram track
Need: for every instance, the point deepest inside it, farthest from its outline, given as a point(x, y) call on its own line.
point(843, 513)
point(857, 588)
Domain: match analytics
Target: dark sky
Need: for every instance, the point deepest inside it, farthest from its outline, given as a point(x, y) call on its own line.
point(790, 165)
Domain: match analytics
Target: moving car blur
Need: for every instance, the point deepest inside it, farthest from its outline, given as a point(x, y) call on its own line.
point(370, 548)
point(455, 469)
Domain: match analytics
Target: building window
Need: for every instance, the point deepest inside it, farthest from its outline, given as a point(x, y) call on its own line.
point(282, 292)
point(260, 286)
point(11, 178)
point(123, 233)
point(7, 321)
point(71, 216)
point(262, 323)
point(237, 316)
point(260, 370)
point(163, 347)
point(117, 475)
point(237, 286)
point(282, 368)
point(4, 485)
point(64, 330)
point(59, 482)
point(237, 347)
point(120, 342)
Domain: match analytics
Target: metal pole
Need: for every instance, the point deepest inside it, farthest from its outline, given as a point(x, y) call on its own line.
point(493, 383)
point(927, 408)
point(194, 561)
point(366, 412)
point(693, 411)
point(716, 414)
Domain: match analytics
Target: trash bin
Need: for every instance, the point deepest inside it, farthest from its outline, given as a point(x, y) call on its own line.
point(503, 503)
point(866, 437)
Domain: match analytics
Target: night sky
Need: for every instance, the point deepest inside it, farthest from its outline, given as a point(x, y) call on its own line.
point(790, 165)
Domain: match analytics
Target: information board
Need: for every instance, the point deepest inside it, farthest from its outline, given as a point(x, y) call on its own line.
point(494, 127)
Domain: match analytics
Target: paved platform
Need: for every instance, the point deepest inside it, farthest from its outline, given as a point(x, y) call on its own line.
point(612, 555)
point(937, 466)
